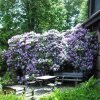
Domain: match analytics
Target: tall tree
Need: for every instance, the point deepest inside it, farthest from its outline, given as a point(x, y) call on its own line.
point(6, 13)
point(37, 15)
point(18, 16)
point(83, 16)
point(73, 9)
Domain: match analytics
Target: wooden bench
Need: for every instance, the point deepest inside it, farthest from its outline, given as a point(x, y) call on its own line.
point(70, 76)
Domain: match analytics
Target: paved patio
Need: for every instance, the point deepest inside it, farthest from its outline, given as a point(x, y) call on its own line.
point(39, 90)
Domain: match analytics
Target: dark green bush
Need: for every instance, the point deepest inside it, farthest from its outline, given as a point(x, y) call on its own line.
point(6, 79)
point(3, 65)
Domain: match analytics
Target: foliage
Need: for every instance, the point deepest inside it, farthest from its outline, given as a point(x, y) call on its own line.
point(82, 92)
point(38, 15)
point(91, 82)
point(28, 15)
point(82, 48)
point(39, 53)
point(36, 50)
point(83, 15)
point(72, 12)
point(3, 65)
point(10, 97)
point(5, 14)
point(0, 85)
point(4, 36)
point(17, 16)
point(6, 78)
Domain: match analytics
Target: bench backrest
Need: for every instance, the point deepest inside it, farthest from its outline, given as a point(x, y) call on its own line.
point(70, 75)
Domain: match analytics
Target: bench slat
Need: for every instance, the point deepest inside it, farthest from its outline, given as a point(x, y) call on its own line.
point(68, 76)
point(70, 79)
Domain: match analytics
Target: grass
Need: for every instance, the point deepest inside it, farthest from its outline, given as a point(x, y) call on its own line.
point(11, 96)
point(85, 91)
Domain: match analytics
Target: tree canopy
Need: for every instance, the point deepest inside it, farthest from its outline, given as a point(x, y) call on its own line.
point(28, 15)
point(18, 16)
point(83, 15)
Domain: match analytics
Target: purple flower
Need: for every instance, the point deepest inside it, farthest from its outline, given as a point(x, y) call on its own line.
point(31, 51)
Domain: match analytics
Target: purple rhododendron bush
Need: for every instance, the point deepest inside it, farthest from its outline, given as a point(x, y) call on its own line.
point(38, 53)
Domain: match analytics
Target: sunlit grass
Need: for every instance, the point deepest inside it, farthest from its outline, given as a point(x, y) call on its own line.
point(10, 96)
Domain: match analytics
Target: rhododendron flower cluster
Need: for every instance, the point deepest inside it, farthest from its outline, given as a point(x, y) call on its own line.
point(31, 51)
point(82, 48)
point(34, 52)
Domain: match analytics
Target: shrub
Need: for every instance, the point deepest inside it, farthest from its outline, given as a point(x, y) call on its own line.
point(41, 52)
point(82, 48)
point(6, 79)
point(3, 64)
point(82, 92)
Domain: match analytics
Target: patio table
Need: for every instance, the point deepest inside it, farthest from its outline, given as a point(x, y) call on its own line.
point(45, 78)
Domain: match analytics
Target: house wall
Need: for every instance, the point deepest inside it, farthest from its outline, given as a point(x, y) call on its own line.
point(93, 23)
point(97, 73)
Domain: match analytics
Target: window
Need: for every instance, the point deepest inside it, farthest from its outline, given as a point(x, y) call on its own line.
point(94, 6)
point(97, 5)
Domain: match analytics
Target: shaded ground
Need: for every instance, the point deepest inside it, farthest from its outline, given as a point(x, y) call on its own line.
point(42, 90)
